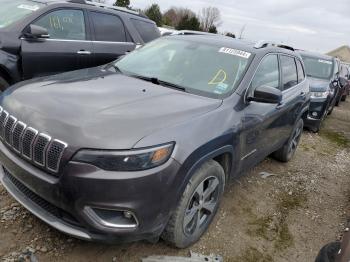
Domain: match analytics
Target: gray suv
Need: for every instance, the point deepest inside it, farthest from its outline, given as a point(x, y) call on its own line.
point(143, 147)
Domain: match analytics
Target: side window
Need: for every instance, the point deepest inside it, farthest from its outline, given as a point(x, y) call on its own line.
point(147, 31)
point(109, 28)
point(301, 73)
point(267, 73)
point(289, 72)
point(64, 24)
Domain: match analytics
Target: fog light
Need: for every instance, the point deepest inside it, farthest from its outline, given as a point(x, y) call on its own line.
point(314, 114)
point(127, 214)
point(113, 218)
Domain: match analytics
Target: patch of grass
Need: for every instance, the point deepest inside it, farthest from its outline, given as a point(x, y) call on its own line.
point(289, 202)
point(260, 227)
point(284, 237)
point(337, 138)
point(252, 255)
point(275, 228)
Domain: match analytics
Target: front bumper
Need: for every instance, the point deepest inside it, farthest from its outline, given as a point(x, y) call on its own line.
point(317, 110)
point(65, 202)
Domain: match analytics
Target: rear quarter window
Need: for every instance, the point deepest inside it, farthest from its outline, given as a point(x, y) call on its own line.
point(147, 31)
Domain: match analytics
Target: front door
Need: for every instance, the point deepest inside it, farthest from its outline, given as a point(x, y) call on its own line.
point(66, 49)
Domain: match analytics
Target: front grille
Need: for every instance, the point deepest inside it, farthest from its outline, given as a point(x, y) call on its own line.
point(3, 117)
point(39, 201)
point(35, 147)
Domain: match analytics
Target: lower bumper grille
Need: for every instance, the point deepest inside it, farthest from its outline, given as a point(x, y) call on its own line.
point(42, 203)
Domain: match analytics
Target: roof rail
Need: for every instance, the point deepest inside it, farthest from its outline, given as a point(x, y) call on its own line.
point(264, 43)
point(118, 8)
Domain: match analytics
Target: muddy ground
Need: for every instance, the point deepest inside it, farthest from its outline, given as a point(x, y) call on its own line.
point(285, 217)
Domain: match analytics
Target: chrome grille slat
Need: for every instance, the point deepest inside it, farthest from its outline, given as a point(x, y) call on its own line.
point(3, 118)
point(35, 147)
point(10, 124)
point(27, 142)
point(17, 135)
point(54, 155)
point(39, 149)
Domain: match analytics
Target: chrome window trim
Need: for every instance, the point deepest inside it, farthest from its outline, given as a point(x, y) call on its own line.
point(87, 41)
point(44, 150)
point(60, 157)
point(256, 69)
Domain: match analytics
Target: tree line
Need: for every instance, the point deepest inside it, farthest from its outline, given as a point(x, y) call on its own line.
point(207, 20)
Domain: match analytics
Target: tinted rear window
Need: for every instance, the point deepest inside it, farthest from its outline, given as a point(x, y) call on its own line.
point(108, 28)
point(289, 72)
point(147, 31)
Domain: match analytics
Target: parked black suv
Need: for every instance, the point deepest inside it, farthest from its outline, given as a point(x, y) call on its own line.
point(44, 37)
point(323, 75)
point(143, 147)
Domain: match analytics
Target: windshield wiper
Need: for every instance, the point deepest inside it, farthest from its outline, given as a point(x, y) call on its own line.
point(156, 81)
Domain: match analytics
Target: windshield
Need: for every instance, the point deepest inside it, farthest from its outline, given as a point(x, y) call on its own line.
point(318, 67)
point(13, 10)
point(199, 68)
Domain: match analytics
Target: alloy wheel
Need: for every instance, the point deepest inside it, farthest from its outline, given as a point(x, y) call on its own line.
point(201, 206)
point(295, 140)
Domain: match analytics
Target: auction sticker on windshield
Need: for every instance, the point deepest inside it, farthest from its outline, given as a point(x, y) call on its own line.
point(325, 61)
point(29, 7)
point(235, 52)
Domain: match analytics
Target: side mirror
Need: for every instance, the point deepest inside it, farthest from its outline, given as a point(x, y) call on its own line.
point(266, 94)
point(36, 31)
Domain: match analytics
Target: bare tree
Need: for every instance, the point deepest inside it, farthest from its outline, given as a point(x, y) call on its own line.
point(174, 15)
point(209, 17)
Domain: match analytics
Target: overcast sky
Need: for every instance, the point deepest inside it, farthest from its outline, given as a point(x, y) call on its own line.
point(318, 25)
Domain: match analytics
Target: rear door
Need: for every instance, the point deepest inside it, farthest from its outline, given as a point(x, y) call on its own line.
point(110, 37)
point(67, 48)
point(295, 92)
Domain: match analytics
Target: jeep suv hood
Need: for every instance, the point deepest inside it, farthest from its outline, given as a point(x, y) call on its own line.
point(318, 85)
point(94, 108)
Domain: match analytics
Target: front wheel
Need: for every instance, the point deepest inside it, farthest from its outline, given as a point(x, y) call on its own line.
point(287, 151)
point(197, 207)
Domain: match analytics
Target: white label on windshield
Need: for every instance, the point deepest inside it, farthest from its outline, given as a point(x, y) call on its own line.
point(29, 7)
point(324, 61)
point(234, 52)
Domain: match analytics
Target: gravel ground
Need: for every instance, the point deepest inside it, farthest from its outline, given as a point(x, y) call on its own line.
point(287, 216)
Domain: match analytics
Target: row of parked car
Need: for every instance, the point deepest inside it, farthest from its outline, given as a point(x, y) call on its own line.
point(141, 146)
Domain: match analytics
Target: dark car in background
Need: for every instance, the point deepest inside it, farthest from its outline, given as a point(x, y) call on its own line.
point(344, 80)
point(323, 76)
point(45, 37)
point(143, 147)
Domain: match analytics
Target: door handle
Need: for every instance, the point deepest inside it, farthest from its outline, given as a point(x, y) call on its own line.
point(83, 52)
point(280, 105)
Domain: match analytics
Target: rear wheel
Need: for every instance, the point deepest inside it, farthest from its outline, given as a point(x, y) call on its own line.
point(343, 98)
point(197, 207)
point(285, 153)
point(3, 84)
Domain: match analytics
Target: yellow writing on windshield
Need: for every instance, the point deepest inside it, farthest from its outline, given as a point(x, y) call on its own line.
point(219, 78)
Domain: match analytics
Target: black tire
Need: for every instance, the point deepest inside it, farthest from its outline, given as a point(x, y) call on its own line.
point(178, 232)
point(286, 152)
point(328, 252)
point(343, 98)
point(3, 84)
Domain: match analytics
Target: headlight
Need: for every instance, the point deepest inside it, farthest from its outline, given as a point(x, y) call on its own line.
point(128, 160)
point(319, 94)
